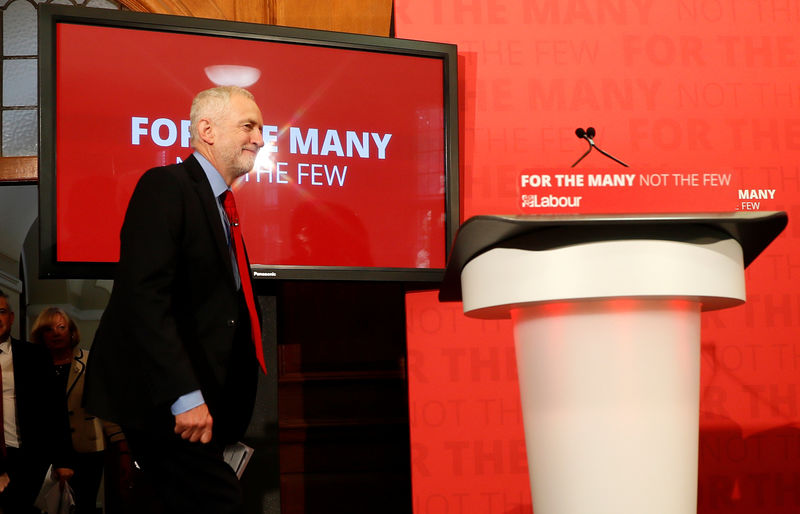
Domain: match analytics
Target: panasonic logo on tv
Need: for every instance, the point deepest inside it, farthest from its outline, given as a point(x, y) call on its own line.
point(263, 274)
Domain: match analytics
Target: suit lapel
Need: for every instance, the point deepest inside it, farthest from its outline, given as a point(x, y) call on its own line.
point(211, 210)
point(75, 371)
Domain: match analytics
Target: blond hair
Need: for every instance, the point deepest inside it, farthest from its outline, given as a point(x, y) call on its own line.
point(45, 319)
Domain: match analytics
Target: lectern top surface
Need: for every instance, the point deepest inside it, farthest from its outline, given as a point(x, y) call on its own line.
point(753, 230)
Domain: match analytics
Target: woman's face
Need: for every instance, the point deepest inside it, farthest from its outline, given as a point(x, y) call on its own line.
point(56, 334)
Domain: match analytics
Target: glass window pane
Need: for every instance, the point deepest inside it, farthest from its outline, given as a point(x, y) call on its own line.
point(19, 82)
point(19, 29)
point(20, 133)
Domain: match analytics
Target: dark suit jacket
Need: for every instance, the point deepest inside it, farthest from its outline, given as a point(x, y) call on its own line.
point(42, 423)
point(175, 321)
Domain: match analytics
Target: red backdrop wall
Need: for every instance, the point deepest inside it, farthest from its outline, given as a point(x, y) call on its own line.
point(701, 97)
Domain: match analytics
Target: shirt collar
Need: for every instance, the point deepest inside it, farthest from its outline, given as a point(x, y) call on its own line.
point(5, 346)
point(218, 185)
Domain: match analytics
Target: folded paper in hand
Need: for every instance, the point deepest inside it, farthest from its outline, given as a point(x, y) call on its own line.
point(53, 497)
point(237, 456)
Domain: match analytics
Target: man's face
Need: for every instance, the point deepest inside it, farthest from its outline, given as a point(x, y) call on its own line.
point(6, 319)
point(238, 137)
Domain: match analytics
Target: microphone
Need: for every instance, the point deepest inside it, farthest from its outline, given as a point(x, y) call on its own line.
point(588, 135)
point(582, 135)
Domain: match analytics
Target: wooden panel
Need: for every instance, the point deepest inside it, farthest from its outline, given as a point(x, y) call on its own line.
point(357, 16)
point(353, 493)
point(197, 8)
point(338, 326)
point(19, 169)
point(253, 11)
point(343, 398)
point(348, 400)
point(377, 448)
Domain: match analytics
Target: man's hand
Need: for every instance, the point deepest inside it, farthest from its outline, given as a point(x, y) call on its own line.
point(194, 424)
point(4, 480)
point(62, 474)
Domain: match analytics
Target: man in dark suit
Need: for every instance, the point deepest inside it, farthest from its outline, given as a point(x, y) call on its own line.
point(173, 360)
point(40, 436)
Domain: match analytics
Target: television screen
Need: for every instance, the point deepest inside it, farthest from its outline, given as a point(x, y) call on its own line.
point(358, 176)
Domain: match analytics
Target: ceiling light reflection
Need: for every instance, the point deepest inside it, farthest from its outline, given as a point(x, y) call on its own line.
point(232, 75)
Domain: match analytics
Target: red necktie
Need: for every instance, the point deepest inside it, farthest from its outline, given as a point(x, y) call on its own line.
point(229, 204)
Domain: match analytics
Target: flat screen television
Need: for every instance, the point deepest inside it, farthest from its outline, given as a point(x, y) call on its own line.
point(358, 179)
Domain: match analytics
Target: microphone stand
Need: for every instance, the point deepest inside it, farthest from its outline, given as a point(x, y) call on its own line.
point(588, 135)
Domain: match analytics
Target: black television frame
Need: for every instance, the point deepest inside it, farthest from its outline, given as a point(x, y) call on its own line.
point(51, 15)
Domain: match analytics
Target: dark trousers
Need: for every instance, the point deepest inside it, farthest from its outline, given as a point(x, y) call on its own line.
point(186, 477)
point(85, 482)
point(26, 473)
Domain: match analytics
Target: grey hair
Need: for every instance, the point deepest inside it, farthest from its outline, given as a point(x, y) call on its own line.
point(212, 104)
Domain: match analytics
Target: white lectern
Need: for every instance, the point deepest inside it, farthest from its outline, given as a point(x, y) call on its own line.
point(606, 313)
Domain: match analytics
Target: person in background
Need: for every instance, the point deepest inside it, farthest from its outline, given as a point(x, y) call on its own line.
point(55, 330)
point(35, 431)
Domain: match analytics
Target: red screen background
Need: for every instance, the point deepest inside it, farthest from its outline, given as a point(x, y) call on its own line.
point(691, 87)
point(381, 212)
